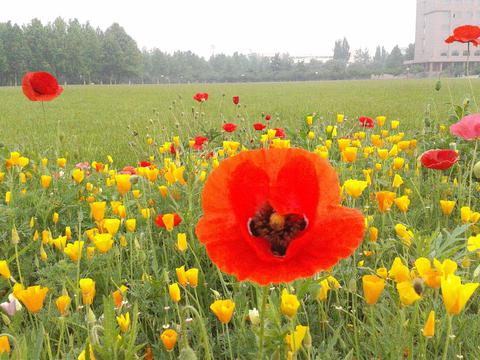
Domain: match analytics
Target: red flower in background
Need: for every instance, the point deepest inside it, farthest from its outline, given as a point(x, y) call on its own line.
point(145, 164)
point(236, 99)
point(199, 140)
point(229, 127)
point(40, 86)
point(279, 132)
point(468, 128)
point(267, 117)
point(366, 122)
point(262, 222)
point(465, 34)
point(439, 159)
point(159, 220)
point(128, 170)
point(259, 126)
point(173, 151)
point(200, 97)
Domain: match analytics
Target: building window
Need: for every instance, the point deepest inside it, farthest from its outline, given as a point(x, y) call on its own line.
point(455, 53)
point(444, 53)
point(477, 53)
point(465, 52)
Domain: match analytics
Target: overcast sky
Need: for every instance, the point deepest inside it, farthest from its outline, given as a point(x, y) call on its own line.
point(299, 27)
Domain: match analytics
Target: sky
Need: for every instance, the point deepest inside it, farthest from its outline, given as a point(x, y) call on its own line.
point(297, 27)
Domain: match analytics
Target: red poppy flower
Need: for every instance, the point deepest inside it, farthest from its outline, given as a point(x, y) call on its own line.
point(99, 166)
point(279, 132)
point(259, 126)
point(267, 117)
point(200, 97)
point(159, 220)
point(145, 164)
point(366, 122)
point(465, 34)
point(439, 159)
point(263, 222)
point(40, 86)
point(173, 151)
point(468, 128)
point(199, 140)
point(128, 170)
point(229, 127)
point(236, 99)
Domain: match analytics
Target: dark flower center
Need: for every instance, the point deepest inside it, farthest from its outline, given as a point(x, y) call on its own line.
point(279, 230)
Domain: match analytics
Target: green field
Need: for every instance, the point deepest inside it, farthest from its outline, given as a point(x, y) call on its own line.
point(94, 121)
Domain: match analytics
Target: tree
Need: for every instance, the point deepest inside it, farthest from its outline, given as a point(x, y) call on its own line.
point(410, 52)
point(394, 62)
point(341, 51)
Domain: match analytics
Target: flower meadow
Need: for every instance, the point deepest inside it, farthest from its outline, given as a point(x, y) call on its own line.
point(343, 236)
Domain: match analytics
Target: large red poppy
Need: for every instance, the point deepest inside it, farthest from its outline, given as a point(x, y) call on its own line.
point(259, 126)
point(465, 34)
point(265, 223)
point(229, 127)
point(40, 86)
point(439, 159)
point(199, 140)
point(236, 100)
point(201, 97)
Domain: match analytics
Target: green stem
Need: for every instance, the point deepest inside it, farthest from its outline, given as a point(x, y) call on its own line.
point(229, 342)
point(474, 158)
point(262, 322)
point(17, 259)
point(447, 340)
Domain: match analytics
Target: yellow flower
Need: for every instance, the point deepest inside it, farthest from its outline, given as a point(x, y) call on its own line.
point(429, 328)
point(33, 297)
point(4, 344)
point(169, 339)
point(74, 250)
point(118, 295)
point(131, 225)
point(381, 120)
point(63, 303)
point(349, 155)
point(182, 244)
point(5, 270)
point(394, 124)
point(294, 341)
point(469, 216)
point(98, 210)
point(340, 118)
point(289, 304)
point(455, 294)
point(326, 285)
point(372, 288)
point(68, 232)
point(136, 193)
point(343, 144)
point(473, 243)
point(181, 276)
point(123, 183)
point(223, 310)
point(402, 203)
point(163, 190)
point(433, 276)
point(192, 277)
point(59, 242)
point(407, 293)
point(382, 272)
point(124, 322)
point(399, 272)
point(373, 233)
point(8, 197)
point(447, 207)
point(45, 181)
point(398, 163)
point(61, 162)
point(355, 188)
point(111, 225)
point(78, 175)
point(174, 292)
point(397, 181)
point(83, 356)
point(87, 286)
point(404, 234)
point(103, 242)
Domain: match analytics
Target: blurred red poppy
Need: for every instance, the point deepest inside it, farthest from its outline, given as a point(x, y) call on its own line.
point(267, 117)
point(199, 140)
point(200, 97)
point(128, 170)
point(236, 99)
point(40, 86)
point(465, 34)
point(366, 122)
point(145, 163)
point(259, 126)
point(279, 132)
point(262, 222)
point(159, 220)
point(439, 159)
point(229, 127)
point(468, 128)
point(173, 151)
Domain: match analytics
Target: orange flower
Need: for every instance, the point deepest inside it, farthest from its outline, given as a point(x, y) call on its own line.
point(264, 223)
point(385, 200)
point(33, 297)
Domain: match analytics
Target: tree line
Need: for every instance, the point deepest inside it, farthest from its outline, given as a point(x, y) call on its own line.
point(79, 53)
